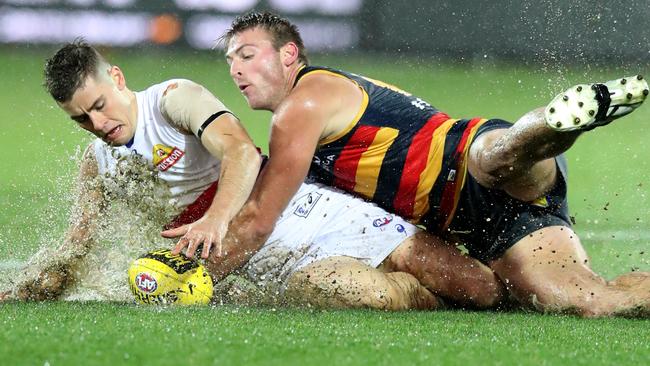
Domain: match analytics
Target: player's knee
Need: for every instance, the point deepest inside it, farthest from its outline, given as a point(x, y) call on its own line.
point(490, 166)
point(489, 296)
point(484, 292)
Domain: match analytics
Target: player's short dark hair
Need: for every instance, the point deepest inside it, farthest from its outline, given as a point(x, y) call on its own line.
point(281, 29)
point(68, 69)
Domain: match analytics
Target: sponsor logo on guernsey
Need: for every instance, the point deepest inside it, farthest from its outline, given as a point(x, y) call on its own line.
point(382, 221)
point(146, 282)
point(306, 203)
point(452, 175)
point(400, 228)
point(327, 162)
point(164, 157)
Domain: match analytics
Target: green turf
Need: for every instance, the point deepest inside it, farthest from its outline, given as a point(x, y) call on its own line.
point(609, 197)
point(95, 333)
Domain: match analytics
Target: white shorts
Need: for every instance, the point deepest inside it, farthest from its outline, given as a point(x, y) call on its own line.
point(322, 222)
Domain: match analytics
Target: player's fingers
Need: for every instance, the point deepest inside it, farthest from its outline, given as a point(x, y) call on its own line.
point(218, 249)
point(193, 244)
point(207, 245)
point(182, 243)
point(174, 233)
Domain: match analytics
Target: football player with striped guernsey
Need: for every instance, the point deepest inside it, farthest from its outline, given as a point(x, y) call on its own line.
point(328, 249)
point(497, 188)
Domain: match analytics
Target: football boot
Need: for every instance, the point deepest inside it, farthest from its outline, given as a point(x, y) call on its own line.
point(587, 106)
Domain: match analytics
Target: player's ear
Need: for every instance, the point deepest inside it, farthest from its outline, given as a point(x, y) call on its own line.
point(117, 76)
point(289, 53)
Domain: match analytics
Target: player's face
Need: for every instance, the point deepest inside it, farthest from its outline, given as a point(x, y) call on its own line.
point(256, 68)
point(103, 106)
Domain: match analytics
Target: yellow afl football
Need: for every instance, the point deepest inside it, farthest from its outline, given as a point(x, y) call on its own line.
point(160, 277)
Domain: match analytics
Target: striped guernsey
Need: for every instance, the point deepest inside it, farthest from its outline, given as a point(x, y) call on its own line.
point(399, 152)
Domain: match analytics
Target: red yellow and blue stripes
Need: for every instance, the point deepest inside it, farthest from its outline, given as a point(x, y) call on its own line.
point(398, 152)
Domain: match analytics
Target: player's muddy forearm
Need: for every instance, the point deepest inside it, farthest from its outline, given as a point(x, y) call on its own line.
point(56, 274)
point(49, 284)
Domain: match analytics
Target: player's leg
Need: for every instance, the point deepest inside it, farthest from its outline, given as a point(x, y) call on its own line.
point(322, 222)
point(325, 251)
point(632, 280)
point(344, 282)
point(518, 159)
point(549, 271)
point(447, 272)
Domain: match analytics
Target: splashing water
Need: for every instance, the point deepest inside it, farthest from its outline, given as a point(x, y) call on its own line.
point(139, 205)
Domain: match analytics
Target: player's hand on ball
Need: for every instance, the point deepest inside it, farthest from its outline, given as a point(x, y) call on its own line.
point(206, 231)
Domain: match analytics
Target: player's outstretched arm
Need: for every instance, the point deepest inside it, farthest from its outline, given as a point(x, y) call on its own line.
point(295, 131)
point(50, 276)
point(193, 109)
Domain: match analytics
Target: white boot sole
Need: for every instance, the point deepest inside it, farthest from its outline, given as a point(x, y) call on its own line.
point(577, 107)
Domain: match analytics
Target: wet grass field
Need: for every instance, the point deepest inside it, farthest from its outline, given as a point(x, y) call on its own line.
point(609, 193)
point(102, 334)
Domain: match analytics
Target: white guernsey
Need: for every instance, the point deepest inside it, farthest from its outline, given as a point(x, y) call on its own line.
point(178, 157)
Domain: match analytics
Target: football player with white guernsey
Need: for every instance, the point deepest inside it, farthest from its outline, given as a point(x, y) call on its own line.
point(328, 250)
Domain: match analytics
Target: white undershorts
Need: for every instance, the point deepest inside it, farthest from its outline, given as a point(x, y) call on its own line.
point(322, 222)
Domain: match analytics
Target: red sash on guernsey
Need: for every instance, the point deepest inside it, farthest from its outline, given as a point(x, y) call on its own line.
point(196, 209)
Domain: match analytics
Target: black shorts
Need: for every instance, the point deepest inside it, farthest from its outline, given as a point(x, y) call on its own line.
point(489, 221)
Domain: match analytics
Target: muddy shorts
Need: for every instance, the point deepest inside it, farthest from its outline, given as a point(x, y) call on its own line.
point(322, 222)
point(489, 221)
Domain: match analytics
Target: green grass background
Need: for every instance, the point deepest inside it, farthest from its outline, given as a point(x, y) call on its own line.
point(608, 195)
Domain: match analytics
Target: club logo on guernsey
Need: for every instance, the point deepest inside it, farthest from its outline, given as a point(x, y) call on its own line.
point(146, 282)
point(164, 157)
